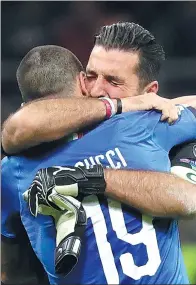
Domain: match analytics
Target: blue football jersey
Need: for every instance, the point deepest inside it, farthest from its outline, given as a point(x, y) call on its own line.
point(121, 246)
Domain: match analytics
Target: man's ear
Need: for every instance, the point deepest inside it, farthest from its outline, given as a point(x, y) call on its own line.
point(152, 87)
point(82, 77)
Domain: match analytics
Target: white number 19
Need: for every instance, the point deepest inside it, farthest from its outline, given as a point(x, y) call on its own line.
point(147, 236)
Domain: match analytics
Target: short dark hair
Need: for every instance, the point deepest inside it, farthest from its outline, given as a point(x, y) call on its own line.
point(132, 37)
point(47, 70)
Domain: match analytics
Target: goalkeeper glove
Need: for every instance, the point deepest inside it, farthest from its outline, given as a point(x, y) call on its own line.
point(70, 221)
point(65, 180)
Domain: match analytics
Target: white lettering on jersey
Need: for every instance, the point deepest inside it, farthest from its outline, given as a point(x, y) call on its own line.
point(110, 156)
point(146, 235)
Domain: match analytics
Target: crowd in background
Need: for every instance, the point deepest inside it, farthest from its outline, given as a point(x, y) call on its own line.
point(73, 25)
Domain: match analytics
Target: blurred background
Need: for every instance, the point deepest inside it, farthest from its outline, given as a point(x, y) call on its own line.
point(25, 25)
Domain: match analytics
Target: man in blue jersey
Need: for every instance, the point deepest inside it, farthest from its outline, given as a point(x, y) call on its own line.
point(12, 229)
point(108, 157)
point(116, 234)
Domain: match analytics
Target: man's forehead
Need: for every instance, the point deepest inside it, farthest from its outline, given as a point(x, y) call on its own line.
point(111, 61)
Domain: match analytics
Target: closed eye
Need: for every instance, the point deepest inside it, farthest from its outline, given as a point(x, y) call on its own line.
point(114, 83)
point(89, 76)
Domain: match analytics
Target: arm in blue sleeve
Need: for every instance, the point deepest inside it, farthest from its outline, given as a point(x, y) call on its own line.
point(183, 130)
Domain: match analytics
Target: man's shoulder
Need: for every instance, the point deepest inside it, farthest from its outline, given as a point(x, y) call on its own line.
point(138, 121)
point(134, 118)
point(144, 114)
point(156, 115)
point(143, 117)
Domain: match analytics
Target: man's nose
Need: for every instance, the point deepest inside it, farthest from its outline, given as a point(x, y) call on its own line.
point(98, 89)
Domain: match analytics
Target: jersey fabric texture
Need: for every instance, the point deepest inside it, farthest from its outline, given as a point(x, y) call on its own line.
point(121, 246)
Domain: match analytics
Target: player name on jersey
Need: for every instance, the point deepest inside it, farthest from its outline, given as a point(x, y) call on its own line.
point(112, 157)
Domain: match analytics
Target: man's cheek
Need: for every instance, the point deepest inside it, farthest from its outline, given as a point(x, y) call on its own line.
point(116, 93)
